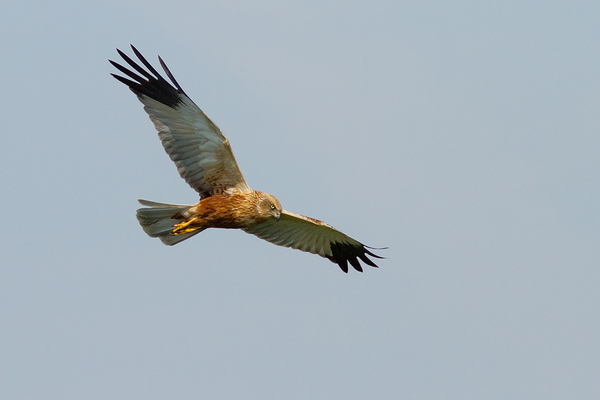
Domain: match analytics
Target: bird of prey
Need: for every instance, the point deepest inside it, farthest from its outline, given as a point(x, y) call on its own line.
point(205, 160)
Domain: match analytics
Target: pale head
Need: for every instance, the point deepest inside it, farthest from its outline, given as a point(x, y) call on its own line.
point(268, 206)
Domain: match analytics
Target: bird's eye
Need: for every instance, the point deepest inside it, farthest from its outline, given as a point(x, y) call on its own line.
point(272, 206)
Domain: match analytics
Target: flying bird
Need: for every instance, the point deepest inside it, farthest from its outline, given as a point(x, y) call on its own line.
point(204, 159)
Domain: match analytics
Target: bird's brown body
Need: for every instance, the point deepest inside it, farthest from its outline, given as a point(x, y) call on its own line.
point(230, 211)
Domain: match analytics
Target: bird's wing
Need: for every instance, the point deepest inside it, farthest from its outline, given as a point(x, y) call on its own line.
point(200, 151)
point(313, 236)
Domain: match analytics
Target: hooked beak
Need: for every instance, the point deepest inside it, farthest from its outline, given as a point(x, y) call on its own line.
point(277, 217)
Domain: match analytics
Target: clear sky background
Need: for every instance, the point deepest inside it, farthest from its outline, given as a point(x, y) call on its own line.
point(463, 135)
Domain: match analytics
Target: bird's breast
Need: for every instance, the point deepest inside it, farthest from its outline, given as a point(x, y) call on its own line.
point(225, 211)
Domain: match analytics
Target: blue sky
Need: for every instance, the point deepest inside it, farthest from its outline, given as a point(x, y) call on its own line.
point(463, 135)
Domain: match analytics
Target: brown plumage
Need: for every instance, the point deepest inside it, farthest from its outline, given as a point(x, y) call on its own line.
point(205, 160)
point(231, 211)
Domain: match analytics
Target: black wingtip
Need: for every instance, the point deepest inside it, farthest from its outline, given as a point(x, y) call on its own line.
point(148, 82)
point(375, 248)
point(169, 74)
point(367, 261)
point(343, 265)
point(354, 262)
point(343, 253)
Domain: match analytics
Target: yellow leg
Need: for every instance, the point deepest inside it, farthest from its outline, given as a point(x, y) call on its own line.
point(184, 227)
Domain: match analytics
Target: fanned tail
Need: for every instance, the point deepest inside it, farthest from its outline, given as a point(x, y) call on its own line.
point(159, 220)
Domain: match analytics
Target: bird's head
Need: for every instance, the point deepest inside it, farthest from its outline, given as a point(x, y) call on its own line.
point(270, 206)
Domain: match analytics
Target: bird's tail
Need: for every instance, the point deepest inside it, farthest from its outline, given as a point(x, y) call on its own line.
point(159, 220)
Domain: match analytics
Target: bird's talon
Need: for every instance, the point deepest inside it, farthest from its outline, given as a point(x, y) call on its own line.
point(183, 228)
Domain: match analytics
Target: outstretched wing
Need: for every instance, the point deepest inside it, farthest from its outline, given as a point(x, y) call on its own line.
point(314, 236)
point(200, 151)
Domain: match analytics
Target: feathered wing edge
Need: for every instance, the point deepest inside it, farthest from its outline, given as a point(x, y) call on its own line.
point(152, 85)
point(344, 253)
point(196, 145)
point(316, 237)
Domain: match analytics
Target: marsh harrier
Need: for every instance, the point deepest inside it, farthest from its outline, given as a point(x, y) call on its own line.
point(204, 159)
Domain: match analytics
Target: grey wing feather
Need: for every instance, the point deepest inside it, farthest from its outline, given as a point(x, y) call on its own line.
point(313, 236)
point(198, 148)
